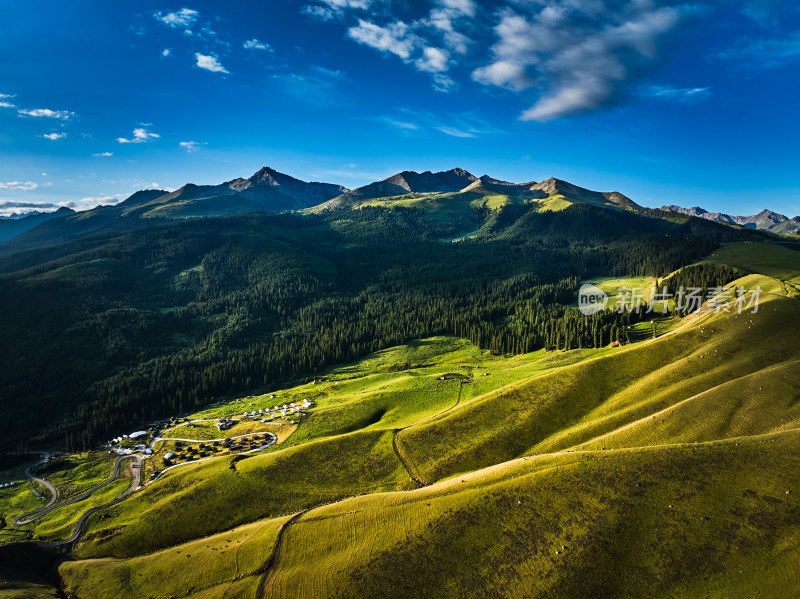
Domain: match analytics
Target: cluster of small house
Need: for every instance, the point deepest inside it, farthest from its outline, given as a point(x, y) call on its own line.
point(284, 410)
point(224, 424)
point(253, 442)
point(5, 485)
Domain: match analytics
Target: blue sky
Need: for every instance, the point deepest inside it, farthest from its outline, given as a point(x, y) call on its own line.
point(667, 102)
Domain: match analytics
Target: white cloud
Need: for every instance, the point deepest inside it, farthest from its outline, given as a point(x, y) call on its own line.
point(166, 52)
point(103, 154)
point(581, 53)
point(209, 63)
point(4, 103)
point(433, 60)
point(185, 17)
point(54, 136)
point(19, 186)
point(428, 43)
point(321, 13)
point(189, 146)
point(46, 113)
point(395, 38)
point(465, 7)
point(343, 4)
point(140, 135)
point(254, 44)
point(399, 39)
point(503, 73)
point(88, 203)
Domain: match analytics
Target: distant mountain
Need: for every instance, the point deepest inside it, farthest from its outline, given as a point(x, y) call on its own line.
point(455, 195)
point(405, 183)
point(554, 194)
point(11, 227)
point(766, 220)
point(266, 191)
point(21, 215)
point(556, 189)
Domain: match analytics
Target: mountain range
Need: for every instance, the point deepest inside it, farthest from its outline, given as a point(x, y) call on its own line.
point(766, 220)
point(271, 191)
point(10, 227)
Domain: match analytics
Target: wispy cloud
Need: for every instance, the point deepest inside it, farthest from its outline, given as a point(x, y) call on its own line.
point(678, 94)
point(140, 135)
point(254, 44)
point(103, 154)
point(4, 103)
point(399, 124)
point(415, 123)
point(315, 85)
point(19, 186)
point(54, 136)
point(209, 63)
point(63, 115)
point(183, 18)
point(166, 52)
point(320, 13)
point(190, 146)
point(90, 202)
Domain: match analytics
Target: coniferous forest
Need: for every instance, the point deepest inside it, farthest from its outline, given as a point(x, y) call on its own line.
point(143, 322)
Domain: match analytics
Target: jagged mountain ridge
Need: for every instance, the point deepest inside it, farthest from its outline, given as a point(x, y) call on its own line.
point(271, 191)
point(267, 190)
point(407, 182)
point(458, 180)
point(766, 220)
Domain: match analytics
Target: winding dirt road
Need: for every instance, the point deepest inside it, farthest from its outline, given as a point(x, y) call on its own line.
point(136, 470)
point(38, 513)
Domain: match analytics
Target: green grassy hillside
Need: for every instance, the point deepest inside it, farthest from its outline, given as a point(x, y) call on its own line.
point(665, 468)
point(680, 521)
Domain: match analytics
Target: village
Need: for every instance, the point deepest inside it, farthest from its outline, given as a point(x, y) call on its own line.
point(182, 440)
